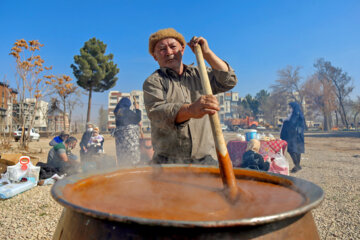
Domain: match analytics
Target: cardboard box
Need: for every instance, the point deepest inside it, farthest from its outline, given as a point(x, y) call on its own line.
point(3, 168)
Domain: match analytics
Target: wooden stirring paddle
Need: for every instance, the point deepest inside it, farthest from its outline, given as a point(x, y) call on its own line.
point(225, 165)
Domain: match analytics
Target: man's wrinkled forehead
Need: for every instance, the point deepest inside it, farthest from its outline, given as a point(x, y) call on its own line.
point(166, 41)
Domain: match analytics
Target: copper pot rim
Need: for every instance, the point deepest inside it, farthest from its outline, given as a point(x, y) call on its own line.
point(313, 194)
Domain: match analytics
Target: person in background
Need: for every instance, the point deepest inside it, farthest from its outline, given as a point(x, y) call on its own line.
point(60, 156)
point(127, 132)
point(175, 103)
point(252, 159)
point(84, 141)
point(95, 144)
point(292, 132)
point(59, 139)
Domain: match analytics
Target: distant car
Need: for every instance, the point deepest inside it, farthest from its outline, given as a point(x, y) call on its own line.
point(33, 134)
point(224, 128)
point(261, 128)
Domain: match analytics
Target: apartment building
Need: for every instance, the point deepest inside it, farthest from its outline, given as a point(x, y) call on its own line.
point(228, 102)
point(7, 99)
point(115, 97)
point(40, 121)
point(55, 121)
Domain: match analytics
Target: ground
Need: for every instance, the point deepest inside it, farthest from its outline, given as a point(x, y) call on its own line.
point(332, 161)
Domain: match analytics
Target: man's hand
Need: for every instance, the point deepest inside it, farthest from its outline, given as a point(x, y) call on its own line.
point(206, 104)
point(203, 43)
point(214, 61)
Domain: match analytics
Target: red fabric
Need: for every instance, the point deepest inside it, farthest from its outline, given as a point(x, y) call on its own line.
point(236, 149)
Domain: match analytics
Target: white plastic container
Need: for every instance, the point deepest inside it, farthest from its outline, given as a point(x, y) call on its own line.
point(250, 134)
point(23, 169)
point(12, 189)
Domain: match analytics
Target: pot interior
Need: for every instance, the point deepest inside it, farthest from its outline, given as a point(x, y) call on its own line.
point(186, 195)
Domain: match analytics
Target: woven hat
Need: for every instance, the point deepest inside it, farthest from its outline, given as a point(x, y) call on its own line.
point(165, 33)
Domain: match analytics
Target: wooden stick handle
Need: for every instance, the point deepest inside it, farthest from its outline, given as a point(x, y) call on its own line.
point(225, 165)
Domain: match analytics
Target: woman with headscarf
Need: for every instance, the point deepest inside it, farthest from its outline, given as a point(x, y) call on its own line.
point(252, 159)
point(127, 132)
point(292, 132)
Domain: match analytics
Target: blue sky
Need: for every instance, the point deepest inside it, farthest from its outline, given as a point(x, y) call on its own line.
point(256, 37)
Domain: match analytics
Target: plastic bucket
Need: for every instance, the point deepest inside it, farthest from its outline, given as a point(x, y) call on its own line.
point(250, 134)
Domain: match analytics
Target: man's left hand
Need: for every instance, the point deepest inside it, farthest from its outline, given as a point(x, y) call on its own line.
point(203, 43)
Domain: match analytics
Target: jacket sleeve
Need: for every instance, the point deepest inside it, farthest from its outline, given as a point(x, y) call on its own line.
point(52, 143)
point(284, 130)
point(161, 113)
point(222, 81)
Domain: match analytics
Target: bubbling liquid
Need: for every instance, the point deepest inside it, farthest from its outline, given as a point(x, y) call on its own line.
point(179, 194)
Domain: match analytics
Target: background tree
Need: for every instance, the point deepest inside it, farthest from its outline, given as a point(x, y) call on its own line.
point(342, 84)
point(64, 88)
point(355, 106)
point(103, 119)
point(262, 97)
point(94, 70)
point(31, 80)
point(289, 84)
point(320, 97)
point(73, 101)
point(250, 105)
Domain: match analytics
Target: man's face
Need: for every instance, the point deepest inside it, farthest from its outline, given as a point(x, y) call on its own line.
point(168, 53)
point(72, 145)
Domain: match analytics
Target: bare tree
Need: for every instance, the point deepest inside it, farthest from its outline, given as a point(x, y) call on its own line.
point(274, 106)
point(73, 101)
point(355, 105)
point(31, 81)
point(320, 97)
point(342, 84)
point(64, 88)
point(289, 84)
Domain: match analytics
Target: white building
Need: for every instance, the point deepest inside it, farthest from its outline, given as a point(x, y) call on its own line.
point(115, 97)
point(40, 121)
point(228, 102)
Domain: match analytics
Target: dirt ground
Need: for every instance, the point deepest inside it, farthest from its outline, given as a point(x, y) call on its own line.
point(332, 161)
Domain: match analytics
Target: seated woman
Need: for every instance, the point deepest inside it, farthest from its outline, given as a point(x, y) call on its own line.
point(252, 159)
point(95, 144)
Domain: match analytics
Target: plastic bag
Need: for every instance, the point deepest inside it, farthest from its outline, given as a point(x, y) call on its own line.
point(23, 169)
point(279, 164)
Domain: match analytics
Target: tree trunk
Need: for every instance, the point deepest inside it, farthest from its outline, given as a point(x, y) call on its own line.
point(64, 114)
point(22, 114)
point(355, 123)
point(336, 119)
point(69, 118)
point(344, 114)
point(89, 106)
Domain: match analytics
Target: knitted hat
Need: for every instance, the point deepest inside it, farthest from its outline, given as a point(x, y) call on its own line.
point(165, 33)
point(96, 129)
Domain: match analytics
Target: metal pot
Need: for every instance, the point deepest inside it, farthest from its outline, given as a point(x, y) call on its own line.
point(78, 222)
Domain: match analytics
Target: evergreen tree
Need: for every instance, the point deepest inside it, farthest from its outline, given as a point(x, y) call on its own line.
point(94, 70)
point(103, 119)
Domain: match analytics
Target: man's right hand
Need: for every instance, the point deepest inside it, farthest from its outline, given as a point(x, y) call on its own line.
point(206, 104)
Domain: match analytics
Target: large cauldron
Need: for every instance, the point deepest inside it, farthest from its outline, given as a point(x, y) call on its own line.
point(78, 222)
